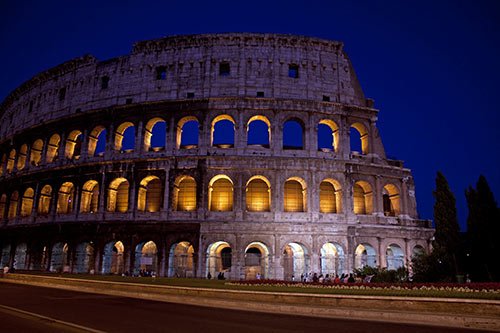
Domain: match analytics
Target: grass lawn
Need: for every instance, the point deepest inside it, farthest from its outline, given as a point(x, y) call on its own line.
point(217, 284)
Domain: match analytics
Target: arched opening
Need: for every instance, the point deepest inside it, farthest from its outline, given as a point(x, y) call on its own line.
point(14, 200)
point(418, 250)
point(259, 132)
point(330, 196)
point(118, 192)
point(11, 161)
point(184, 194)
point(20, 256)
point(219, 258)
point(359, 138)
point(365, 255)
point(125, 137)
point(145, 258)
point(258, 194)
point(112, 258)
point(5, 258)
point(295, 195)
point(155, 135)
point(3, 205)
point(90, 197)
point(328, 135)
point(44, 201)
point(73, 148)
point(220, 190)
point(222, 132)
point(394, 256)
point(59, 260)
point(363, 198)
point(65, 198)
point(187, 133)
point(36, 152)
point(52, 148)
point(180, 263)
point(332, 259)
point(256, 261)
point(4, 157)
point(293, 134)
point(27, 202)
point(21, 159)
point(295, 261)
point(150, 193)
point(84, 258)
point(97, 141)
point(391, 201)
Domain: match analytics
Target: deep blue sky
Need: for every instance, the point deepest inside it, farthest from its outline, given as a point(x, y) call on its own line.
point(433, 67)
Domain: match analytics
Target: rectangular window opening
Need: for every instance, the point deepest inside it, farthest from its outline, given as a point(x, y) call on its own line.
point(190, 95)
point(104, 82)
point(260, 94)
point(161, 73)
point(293, 71)
point(224, 69)
point(326, 98)
point(128, 101)
point(62, 94)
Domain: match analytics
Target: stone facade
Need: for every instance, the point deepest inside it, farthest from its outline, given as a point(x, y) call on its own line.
point(193, 209)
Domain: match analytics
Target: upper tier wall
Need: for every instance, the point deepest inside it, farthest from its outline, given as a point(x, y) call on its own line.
point(257, 63)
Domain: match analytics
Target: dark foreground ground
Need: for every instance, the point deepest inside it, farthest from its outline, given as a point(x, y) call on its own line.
point(120, 314)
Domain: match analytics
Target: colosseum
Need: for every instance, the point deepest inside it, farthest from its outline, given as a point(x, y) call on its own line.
point(247, 154)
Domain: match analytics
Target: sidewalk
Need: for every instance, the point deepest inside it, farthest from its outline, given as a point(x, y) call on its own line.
point(463, 313)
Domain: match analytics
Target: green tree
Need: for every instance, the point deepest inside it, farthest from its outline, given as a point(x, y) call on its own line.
point(483, 228)
point(447, 238)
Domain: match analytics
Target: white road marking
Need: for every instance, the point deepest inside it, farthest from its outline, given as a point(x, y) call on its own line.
point(36, 315)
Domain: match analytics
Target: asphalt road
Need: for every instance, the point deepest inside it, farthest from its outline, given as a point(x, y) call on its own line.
point(86, 312)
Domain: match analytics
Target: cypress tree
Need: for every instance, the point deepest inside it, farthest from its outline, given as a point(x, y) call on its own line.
point(446, 239)
point(483, 228)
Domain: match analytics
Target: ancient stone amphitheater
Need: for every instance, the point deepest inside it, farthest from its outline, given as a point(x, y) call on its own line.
point(202, 154)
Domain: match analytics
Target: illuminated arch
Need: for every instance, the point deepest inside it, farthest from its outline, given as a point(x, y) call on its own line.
point(295, 198)
point(44, 200)
point(150, 194)
point(20, 256)
point(53, 148)
point(363, 136)
point(394, 256)
point(66, 198)
point(11, 161)
point(184, 198)
point(4, 157)
point(89, 201)
point(332, 259)
point(334, 131)
point(362, 198)
point(181, 139)
point(14, 200)
point(151, 134)
point(146, 258)
point(36, 152)
point(256, 261)
point(365, 255)
point(219, 258)
point(59, 259)
point(293, 134)
point(112, 258)
point(181, 261)
point(220, 194)
point(84, 258)
point(97, 134)
point(255, 129)
point(129, 135)
point(21, 159)
point(118, 193)
point(3, 205)
point(330, 196)
point(295, 261)
point(27, 202)
point(220, 124)
point(73, 145)
point(418, 250)
point(258, 194)
point(391, 200)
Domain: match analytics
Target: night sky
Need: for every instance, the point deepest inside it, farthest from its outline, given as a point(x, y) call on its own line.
point(432, 67)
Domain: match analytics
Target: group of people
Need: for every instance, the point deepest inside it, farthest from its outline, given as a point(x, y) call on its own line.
point(344, 278)
point(220, 276)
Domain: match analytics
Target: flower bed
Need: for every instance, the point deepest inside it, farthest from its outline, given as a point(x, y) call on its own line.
point(487, 287)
